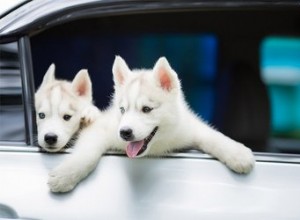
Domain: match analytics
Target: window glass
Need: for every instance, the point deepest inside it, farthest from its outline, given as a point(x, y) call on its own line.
point(280, 69)
point(11, 104)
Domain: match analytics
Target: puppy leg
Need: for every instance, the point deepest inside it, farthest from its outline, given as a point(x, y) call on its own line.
point(88, 150)
point(233, 154)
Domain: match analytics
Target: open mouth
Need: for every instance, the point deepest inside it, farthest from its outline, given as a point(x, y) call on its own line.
point(136, 148)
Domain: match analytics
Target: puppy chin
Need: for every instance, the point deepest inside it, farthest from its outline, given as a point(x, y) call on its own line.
point(51, 149)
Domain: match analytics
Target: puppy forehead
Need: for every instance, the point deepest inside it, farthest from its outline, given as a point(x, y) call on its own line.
point(141, 88)
point(42, 104)
point(131, 93)
point(56, 99)
point(56, 95)
point(133, 89)
point(67, 104)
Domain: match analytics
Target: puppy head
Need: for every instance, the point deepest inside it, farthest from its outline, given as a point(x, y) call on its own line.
point(147, 102)
point(58, 105)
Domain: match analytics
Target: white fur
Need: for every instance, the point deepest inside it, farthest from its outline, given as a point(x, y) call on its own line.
point(56, 98)
point(178, 126)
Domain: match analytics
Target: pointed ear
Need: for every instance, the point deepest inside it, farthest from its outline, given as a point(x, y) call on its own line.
point(165, 75)
point(49, 75)
point(120, 71)
point(82, 85)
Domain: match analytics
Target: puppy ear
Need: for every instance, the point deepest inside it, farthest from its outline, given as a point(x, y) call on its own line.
point(120, 71)
point(49, 75)
point(165, 75)
point(82, 85)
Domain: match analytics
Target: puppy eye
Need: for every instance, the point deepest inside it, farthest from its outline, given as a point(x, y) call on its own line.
point(42, 115)
point(146, 109)
point(122, 109)
point(67, 117)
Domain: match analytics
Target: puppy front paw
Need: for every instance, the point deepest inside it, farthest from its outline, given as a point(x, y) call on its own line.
point(241, 159)
point(89, 114)
point(61, 180)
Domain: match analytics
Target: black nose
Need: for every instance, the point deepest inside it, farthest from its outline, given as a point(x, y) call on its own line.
point(50, 138)
point(126, 133)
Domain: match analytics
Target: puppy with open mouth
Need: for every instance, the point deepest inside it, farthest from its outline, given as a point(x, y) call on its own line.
point(148, 117)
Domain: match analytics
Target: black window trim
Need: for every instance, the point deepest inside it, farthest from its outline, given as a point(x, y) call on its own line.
point(34, 21)
point(28, 89)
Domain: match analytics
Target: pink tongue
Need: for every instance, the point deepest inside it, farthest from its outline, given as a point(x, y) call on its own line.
point(133, 148)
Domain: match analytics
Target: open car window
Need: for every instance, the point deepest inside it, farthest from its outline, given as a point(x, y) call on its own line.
point(225, 56)
point(220, 58)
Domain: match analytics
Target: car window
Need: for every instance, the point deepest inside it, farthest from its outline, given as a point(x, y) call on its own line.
point(220, 68)
point(11, 103)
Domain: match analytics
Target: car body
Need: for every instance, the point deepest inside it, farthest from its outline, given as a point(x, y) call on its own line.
point(188, 184)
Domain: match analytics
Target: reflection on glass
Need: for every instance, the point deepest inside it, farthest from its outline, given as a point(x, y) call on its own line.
point(11, 106)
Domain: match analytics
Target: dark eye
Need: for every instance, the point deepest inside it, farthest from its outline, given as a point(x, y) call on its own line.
point(42, 115)
point(122, 109)
point(146, 109)
point(67, 117)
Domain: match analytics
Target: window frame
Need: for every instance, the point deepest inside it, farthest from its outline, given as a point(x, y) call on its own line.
point(28, 90)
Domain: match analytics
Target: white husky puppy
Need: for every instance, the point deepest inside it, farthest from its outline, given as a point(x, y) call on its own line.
point(150, 117)
point(62, 108)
